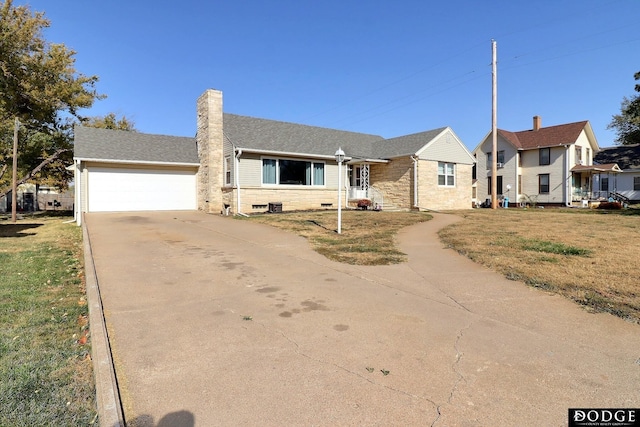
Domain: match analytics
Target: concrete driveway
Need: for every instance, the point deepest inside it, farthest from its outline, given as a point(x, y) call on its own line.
point(220, 322)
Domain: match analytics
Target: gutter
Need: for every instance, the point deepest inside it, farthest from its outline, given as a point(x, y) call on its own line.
point(291, 154)
point(136, 162)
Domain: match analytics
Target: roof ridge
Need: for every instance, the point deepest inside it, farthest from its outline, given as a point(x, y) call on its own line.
point(582, 122)
point(299, 124)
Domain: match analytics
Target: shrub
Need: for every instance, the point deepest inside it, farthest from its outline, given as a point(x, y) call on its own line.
point(364, 203)
point(610, 205)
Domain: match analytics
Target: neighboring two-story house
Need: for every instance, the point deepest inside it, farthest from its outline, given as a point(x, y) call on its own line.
point(544, 165)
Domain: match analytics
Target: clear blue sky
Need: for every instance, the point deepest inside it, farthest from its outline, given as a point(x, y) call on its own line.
point(382, 67)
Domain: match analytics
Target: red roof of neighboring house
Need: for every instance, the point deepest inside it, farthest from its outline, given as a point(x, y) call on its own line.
point(545, 137)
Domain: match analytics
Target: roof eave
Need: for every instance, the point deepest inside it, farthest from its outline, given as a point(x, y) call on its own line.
point(289, 154)
point(135, 162)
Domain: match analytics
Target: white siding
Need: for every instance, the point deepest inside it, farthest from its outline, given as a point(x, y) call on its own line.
point(446, 148)
point(531, 169)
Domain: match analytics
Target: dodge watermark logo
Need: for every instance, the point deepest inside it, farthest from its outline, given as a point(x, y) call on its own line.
point(620, 417)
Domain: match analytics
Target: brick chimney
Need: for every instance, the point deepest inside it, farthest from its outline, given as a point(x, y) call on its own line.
point(209, 138)
point(537, 122)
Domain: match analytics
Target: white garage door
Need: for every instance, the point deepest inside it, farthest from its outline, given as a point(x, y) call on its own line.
point(118, 190)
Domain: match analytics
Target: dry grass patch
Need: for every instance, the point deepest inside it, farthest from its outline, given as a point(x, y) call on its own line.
point(367, 236)
point(590, 257)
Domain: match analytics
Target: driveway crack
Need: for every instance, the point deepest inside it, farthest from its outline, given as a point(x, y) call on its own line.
point(299, 352)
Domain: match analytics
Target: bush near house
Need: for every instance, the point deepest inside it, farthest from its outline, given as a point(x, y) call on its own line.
point(610, 205)
point(364, 204)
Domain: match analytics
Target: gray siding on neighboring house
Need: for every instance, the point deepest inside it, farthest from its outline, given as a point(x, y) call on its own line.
point(508, 172)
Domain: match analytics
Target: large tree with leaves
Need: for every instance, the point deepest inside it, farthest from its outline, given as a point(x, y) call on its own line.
point(627, 123)
point(40, 86)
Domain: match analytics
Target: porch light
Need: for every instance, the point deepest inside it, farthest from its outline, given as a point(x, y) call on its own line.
point(339, 158)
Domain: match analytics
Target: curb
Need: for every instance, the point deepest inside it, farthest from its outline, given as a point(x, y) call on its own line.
point(107, 396)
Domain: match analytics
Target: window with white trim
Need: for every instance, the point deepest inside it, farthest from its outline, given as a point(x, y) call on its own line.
point(490, 158)
point(292, 172)
point(446, 174)
point(543, 183)
point(227, 170)
point(544, 156)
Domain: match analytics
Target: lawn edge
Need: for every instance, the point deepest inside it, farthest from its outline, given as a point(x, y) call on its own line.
point(108, 401)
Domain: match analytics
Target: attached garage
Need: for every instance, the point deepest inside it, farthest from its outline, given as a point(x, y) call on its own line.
point(140, 189)
point(121, 171)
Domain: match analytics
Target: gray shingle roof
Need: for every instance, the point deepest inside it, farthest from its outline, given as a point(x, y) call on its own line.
point(405, 145)
point(626, 156)
point(270, 135)
point(248, 133)
point(107, 144)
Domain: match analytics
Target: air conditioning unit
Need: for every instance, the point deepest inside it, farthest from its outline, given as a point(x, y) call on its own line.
point(580, 162)
point(500, 165)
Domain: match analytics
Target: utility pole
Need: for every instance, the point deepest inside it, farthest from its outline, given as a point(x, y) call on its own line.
point(14, 188)
point(494, 127)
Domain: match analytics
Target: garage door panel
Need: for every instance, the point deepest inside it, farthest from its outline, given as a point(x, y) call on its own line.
point(117, 190)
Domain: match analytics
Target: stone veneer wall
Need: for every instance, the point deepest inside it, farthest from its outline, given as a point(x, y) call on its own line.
point(209, 138)
point(432, 196)
point(395, 181)
point(291, 198)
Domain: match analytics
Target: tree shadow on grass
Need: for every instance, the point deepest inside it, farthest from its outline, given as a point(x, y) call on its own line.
point(16, 230)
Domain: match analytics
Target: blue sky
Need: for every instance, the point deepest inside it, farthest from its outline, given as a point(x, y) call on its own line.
point(382, 67)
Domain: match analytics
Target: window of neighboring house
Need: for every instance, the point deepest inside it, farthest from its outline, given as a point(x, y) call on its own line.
point(519, 154)
point(490, 158)
point(446, 174)
point(292, 172)
point(545, 156)
point(498, 185)
point(636, 183)
point(543, 183)
point(587, 160)
point(578, 155)
point(227, 170)
point(604, 183)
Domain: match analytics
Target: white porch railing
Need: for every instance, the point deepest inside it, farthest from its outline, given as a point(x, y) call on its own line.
point(372, 194)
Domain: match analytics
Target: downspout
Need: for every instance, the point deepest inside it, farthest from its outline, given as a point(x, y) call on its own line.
point(567, 185)
point(236, 169)
point(415, 182)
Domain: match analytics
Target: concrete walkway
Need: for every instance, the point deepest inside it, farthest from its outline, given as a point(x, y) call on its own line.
point(220, 322)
